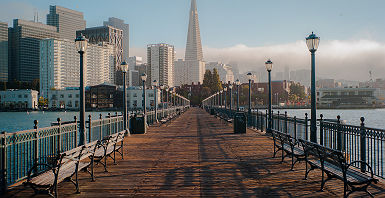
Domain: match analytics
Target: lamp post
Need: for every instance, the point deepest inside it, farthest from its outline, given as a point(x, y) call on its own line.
point(312, 42)
point(144, 78)
point(269, 67)
point(225, 92)
point(161, 99)
point(155, 84)
point(124, 69)
point(81, 47)
point(237, 82)
point(167, 96)
point(249, 76)
point(231, 96)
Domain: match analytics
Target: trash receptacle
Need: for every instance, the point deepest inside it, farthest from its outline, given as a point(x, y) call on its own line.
point(138, 124)
point(212, 112)
point(240, 122)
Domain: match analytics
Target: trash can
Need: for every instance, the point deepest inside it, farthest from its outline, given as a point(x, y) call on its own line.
point(240, 122)
point(138, 124)
point(212, 112)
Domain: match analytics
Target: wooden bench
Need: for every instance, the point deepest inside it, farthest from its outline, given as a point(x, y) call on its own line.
point(44, 178)
point(289, 147)
point(108, 148)
point(334, 164)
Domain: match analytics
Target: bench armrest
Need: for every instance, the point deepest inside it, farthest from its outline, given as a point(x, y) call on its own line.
point(366, 164)
point(35, 167)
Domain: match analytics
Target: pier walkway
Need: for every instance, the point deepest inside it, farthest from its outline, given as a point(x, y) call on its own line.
point(197, 155)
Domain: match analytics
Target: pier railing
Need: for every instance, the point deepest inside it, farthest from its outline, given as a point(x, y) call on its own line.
point(19, 151)
point(357, 142)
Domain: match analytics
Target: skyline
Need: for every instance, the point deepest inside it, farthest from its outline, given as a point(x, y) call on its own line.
point(246, 35)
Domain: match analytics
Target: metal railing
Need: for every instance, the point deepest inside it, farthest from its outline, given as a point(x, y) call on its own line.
point(357, 142)
point(19, 151)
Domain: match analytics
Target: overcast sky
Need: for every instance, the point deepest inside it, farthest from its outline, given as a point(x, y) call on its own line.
point(246, 31)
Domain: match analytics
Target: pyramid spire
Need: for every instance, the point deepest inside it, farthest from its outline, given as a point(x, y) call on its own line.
point(194, 45)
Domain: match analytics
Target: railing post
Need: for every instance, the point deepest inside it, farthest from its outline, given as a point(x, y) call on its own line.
point(59, 149)
point(267, 117)
point(306, 127)
point(3, 178)
point(286, 122)
point(116, 123)
point(321, 130)
point(109, 124)
point(339, 134)
point(278, 121)
point(295, 127)
point(36, 151)
point(101, 127)
point(363, 144)
point(272, 120)
point(76, 133)
point(89, 129)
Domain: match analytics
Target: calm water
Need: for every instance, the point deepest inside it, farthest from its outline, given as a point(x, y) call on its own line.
point(374, 118)
point(18, 121)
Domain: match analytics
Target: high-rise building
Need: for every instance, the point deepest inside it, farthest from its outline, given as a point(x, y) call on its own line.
point(3, 52)
point(160, 60)
point(59, 65)
point(108, 35)
point(224, 71)
point(119, 23)
point(24, 48)
point(192, 69)
point(133, 74)
point(66, 21)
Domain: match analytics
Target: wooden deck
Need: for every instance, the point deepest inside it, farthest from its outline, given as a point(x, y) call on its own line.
point(197, 155)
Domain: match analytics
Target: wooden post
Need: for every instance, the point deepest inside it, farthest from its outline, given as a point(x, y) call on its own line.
point(59, 149)
point(3, 178)
point(363, 145)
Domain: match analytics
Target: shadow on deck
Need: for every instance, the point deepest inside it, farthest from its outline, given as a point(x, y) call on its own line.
point(197, 155)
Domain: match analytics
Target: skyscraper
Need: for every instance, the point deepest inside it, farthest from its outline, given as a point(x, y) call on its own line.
point(192, 69)
point(108, 35)
point(66, 21)
point(24, 49)
point(119, 23)
point(160, 60)
point(3, 52)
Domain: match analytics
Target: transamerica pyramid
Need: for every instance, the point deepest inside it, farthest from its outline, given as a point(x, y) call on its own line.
point(194, 45)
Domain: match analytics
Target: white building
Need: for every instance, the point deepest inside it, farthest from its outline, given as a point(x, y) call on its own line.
point(68, 98)
point(224, 71)
point(160, 60)
point(59, 65)
point(133, 74)
point(135, 98)
point(19, 99)
point(188, 72)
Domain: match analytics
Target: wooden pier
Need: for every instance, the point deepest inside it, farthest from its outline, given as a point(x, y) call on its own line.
point(197, 155)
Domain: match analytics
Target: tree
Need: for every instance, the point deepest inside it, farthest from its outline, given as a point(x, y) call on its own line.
point(216, 81)
point(297, 92)
point(207, 80)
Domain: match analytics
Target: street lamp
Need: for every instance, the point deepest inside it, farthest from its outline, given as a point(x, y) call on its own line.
point(249, 76)
point(144, 78)
point(225, 92)
point(81, 47)
point(237, 82)
point(124, 69)
point(312, 42)
point(231, 96)
point(269, 67)
point(167, 96)
point(155, 84)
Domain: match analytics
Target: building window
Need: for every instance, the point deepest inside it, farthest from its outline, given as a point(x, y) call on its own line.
point(25, 96)
point(135, 95)
point(69, 95)
point(77, 95)
point(19, 96)
point(61, 95)
point(76, 103)
point(150, 95)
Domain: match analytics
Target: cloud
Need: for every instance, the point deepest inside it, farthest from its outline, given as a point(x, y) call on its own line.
point(19, 10)
point(350, 60)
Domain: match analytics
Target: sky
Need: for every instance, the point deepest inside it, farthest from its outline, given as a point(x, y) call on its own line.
point(247, 32)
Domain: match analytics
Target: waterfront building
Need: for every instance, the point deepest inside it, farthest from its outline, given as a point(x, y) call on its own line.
point(3, 52)
point(104, 96)
point(67, 98)
point(66, 21)
point(160, 60)
point(24, 49)
point(108, 35)
point(135, 98)
point(224, 71)
point(280, 90)
point(349, 97)
point(59, 65)
point(192, 69)
point(19, 99)
point(119, 23)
